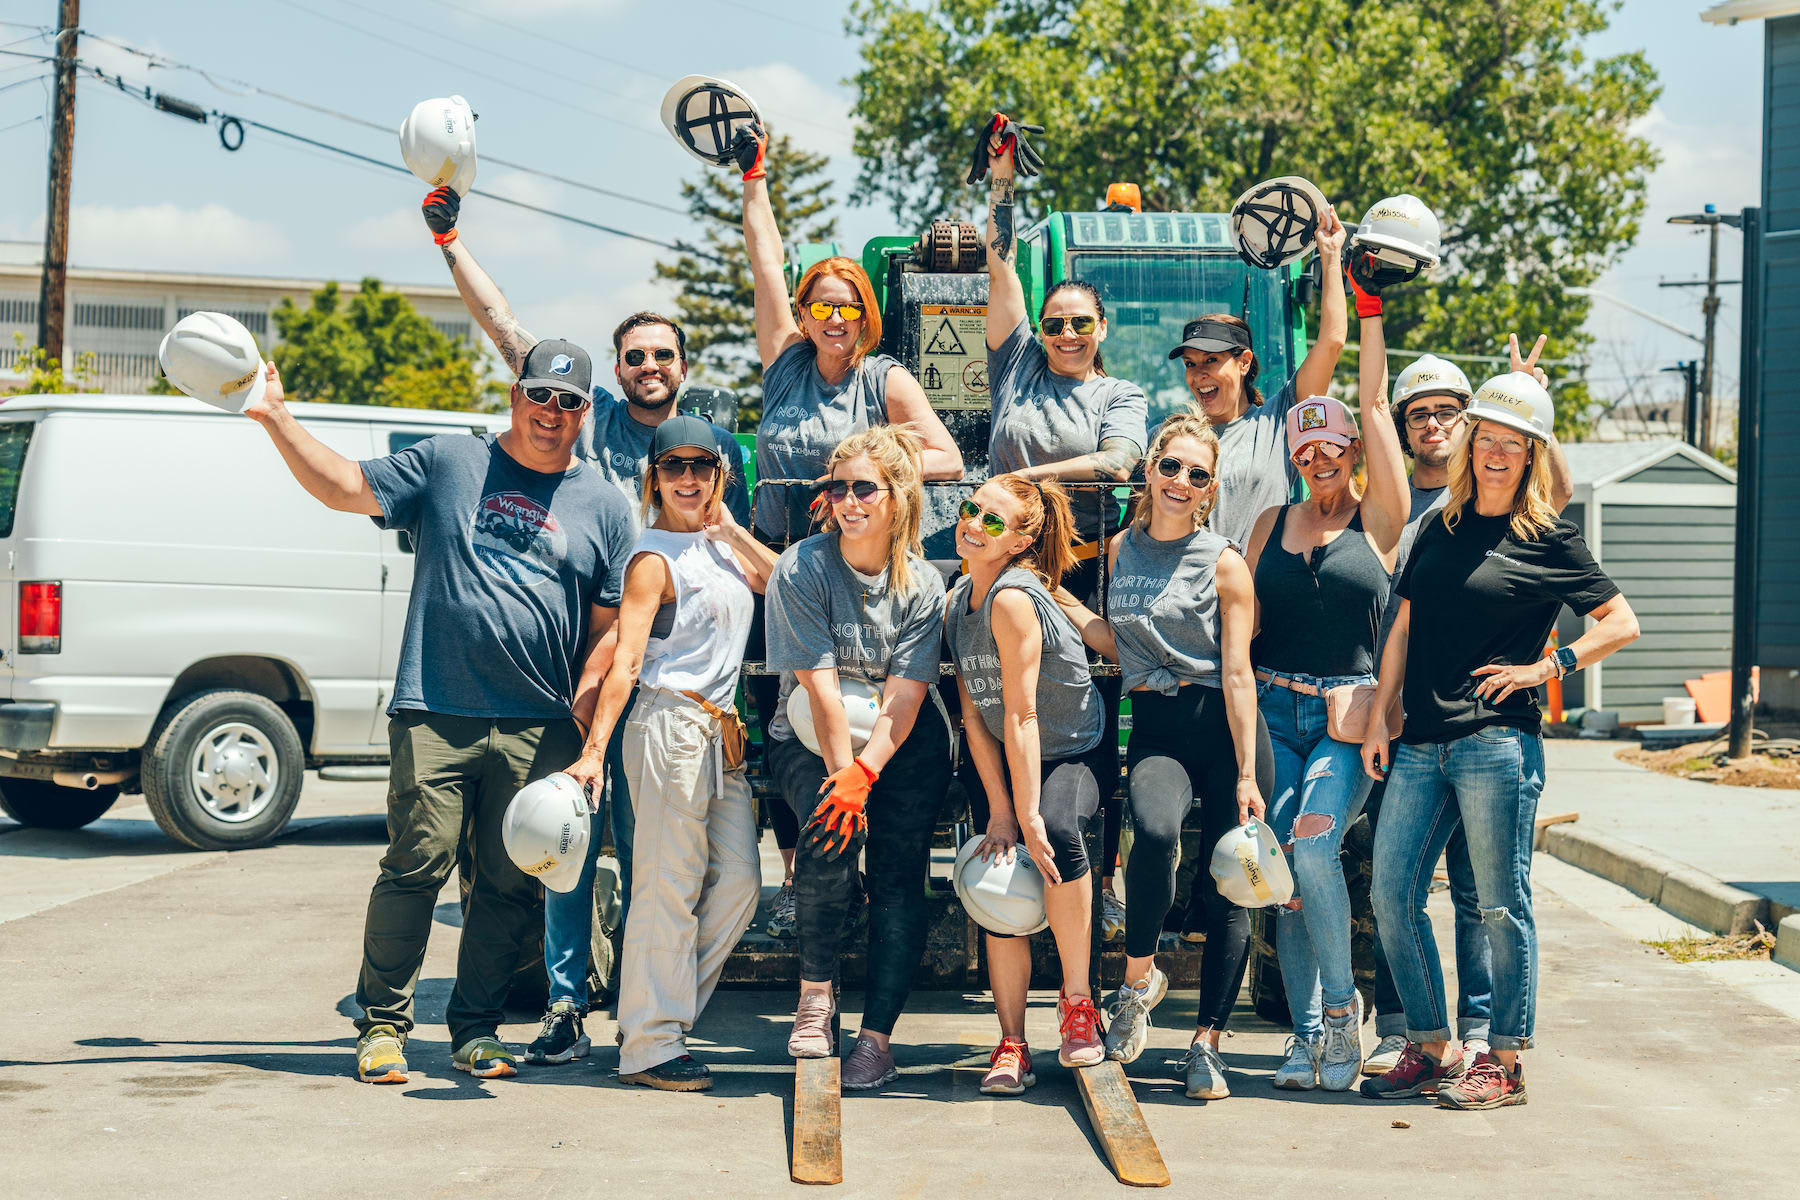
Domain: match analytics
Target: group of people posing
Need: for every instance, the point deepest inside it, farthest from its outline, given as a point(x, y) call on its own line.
point(1270, 613)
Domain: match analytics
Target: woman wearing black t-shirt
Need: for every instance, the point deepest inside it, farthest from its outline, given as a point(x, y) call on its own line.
point(1485, 583)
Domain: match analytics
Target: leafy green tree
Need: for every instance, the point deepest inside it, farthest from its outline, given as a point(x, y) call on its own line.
point(716, 303)
point(46, 377)
point(1490, 111)
point(373, 347)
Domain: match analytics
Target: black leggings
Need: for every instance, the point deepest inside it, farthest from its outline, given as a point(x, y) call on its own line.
point(1083, 582)
point(902, 809)
point(1181, 745)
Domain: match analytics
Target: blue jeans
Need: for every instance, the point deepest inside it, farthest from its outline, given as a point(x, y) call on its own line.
point(569, 916)
point(1320, 777)
point(1488, 783)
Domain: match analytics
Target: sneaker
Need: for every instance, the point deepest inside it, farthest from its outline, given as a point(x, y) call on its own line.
point(1413, 1075)
point(485, 1058)
point(1080, 1024)
point(561, 1038)
point(1386, 1055)
point(1340, 1062)
point(812, 1026)
point(1300, 1072)
point(379, 1057)
point(1112, 917)
point(869, 1066)
point(783, 912)
point(1204, 1072)
point(1009, 1069)
point(1128, 1016)
point(1487, 1084)
point(684, 1074)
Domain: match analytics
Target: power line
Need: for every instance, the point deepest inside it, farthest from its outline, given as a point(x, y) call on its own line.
point(19, 124)
point(7, 87)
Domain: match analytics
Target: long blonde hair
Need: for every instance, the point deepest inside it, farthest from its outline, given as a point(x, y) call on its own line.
point(898, 453)
point(1533, 512)
point(1182, 424)
point(1049, 524)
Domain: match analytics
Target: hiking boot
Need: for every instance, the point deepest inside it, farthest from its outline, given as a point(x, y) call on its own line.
point(1300, 1073)
point(379, 1057)
point(1009, 1069)
point(1204, 1072)
point(1128, 1015)
point(1487, 1084)
point(1340, 1061)
point(485, 1058)
point(1112, 918)
point(561, 1038)
point(684, 1074)
point(1413, 1075)
point(1081, 1031)
point(783, 912)
point(869, 1066)
point(1386, 1055)
point(812, 1026)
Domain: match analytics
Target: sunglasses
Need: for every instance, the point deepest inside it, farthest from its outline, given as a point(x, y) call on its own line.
point(839, 490)
point(1053, 326)
point(992, 524)
point(1509, 446)
point(663, 356)
point(1169, 468)
point(1304, 456)
point(822, 311)
point(704, 468)
point(1443, 418)
point(567, 401)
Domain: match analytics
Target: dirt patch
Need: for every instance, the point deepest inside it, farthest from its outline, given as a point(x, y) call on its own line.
point(1723, 947)
point(1769, 765)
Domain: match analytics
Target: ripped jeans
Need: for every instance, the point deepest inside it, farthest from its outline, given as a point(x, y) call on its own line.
point(1320, 787)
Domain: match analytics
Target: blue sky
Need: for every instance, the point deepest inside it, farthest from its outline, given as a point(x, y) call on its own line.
point(572, 87)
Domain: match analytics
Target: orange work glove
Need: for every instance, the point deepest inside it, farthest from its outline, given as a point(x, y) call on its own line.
point(839, 824)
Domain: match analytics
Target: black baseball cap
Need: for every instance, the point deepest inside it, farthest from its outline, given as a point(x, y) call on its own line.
point(1212, 336)
point(554, 363)
point(683, 430)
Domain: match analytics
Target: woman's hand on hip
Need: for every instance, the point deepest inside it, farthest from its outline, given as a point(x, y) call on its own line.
point(1501, 680)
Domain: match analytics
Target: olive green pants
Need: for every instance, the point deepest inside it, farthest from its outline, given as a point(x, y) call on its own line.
point(451, 778)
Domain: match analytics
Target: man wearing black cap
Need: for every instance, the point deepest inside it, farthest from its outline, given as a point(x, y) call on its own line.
point(520, 563)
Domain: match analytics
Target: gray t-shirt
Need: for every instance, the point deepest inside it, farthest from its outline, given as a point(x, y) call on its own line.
point(509, 563)
point(1426, 504)
point(819, 614)
point(619, 447)
point(1254, 471)
point(1163, 606)
point(1070, 719)
point(804, 418)
point(1043, 417)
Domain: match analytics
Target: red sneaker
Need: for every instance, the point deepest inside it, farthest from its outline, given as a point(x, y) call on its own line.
point(1414, 1075)
point(1009, 1069)
point(1080, 1020)
point(1486, 1084)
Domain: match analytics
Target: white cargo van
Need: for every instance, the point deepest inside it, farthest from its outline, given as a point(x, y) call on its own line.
point(177, 616)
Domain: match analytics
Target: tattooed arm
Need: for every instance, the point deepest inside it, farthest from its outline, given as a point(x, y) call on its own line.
point(1006, 295)
point(1112, 461)
point(485, 302)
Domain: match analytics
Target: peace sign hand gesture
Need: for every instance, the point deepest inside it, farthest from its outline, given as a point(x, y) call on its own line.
point(1528, 364)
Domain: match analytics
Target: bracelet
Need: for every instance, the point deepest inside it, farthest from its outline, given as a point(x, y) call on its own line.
point(444, 239)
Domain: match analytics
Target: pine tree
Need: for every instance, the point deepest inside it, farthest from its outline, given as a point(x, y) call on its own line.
point(717, 303)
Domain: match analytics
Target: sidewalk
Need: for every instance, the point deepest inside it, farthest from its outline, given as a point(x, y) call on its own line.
point(1718, 857)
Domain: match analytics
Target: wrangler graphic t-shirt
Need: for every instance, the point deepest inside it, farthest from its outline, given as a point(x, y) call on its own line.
point(509, 562)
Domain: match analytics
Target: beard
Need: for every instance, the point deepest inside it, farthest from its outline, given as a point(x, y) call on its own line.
point(634, 395)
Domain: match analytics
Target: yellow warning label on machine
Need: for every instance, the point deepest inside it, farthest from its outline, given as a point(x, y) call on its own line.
point(953, 355)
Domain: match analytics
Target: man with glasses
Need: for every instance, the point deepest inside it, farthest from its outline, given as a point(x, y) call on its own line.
point(520, 564)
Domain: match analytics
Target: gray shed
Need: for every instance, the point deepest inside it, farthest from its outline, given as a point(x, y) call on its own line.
point(1659, 517)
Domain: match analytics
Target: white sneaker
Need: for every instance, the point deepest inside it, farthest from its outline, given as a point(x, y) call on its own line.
point(1204, 1072)
point(1301, 1070)
point(1128, 1016)
point(1112, 918)
point(1341, 1060)
point(1386, 1055)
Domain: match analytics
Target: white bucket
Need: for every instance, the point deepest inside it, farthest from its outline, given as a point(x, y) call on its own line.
point(1678, 710)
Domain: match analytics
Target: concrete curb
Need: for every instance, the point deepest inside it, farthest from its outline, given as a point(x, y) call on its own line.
point(1787, 942)
point(1673, 886)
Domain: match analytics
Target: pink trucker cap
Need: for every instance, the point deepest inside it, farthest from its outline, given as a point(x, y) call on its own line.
point(1320, 419)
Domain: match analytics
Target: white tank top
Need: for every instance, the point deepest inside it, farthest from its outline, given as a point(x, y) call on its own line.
point(705, 643)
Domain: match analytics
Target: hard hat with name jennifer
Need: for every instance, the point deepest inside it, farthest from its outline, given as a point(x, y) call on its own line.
point(546, 829)
point(1250, 868)
point(213, 358)
point(1004, 894)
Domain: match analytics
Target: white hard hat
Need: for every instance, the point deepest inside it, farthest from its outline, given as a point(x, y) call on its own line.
point(1517, 401)
point(1277, 222)
point(212, 357)
point(1400, 232)
point(546, 831)
point(1250, 868)
point(705, 113)
point(862, 704)
point(1430, 376)
point(1000, 896)
point(437, 142)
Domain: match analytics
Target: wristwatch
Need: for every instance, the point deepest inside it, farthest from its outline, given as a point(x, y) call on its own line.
point(1565, 660)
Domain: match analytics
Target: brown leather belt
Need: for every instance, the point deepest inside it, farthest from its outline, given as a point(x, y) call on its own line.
point(1292, 685)
point(1086, 550)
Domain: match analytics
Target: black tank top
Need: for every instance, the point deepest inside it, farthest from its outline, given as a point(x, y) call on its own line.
point(1320, 612)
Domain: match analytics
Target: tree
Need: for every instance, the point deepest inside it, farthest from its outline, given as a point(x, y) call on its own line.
point(717, 302)
point(43, 376)
point(373, 347)
point(1488, 110)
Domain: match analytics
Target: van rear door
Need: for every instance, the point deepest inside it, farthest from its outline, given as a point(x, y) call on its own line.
point(15, 440)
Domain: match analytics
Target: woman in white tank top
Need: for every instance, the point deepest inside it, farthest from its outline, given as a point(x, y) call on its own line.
point(681, 631)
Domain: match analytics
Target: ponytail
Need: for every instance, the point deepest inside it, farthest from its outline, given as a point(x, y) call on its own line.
point(1048, 523)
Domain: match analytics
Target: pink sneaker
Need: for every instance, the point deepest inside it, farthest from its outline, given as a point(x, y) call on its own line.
point(1080, 1020)
point(1009, 1069)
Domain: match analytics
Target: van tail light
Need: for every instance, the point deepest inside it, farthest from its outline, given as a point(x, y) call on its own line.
point(40, 618)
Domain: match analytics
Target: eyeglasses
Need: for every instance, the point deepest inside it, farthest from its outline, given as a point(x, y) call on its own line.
point(663, 356)
point(567, 401)
point(992, 524)
point(839, 490)
point(1083, 325)
point(1171, 467)
point(822, 311)
point(704, 468)
point(1443, 418)
point(1508, 446)
point(1304, 456)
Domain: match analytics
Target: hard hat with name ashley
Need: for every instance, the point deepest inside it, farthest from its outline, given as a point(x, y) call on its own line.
point(862, 703)
point(213, 358)
point(545, 831)
point(1004, 894)
point(1517, 401)
point(1250, 868)
point(437, 143)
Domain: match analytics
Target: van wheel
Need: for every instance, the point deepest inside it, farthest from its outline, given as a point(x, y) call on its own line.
point(45, 805)
point(222, 770)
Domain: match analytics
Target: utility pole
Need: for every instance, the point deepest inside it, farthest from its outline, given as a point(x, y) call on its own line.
point(1744, 579)
point(1709, 307)
point(52, 292)
point(1690, 411)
